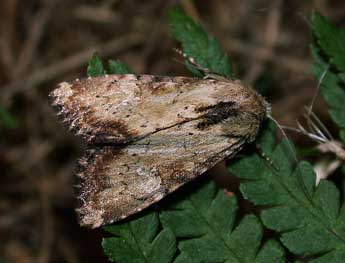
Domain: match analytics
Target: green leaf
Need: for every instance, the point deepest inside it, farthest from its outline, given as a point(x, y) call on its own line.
point(308, 227)
point(205, 223)
point(198, 44)
point(6, 119)
point(329, 51)
point(95, 67)
point(118, 67)
point(140, 240)
point(331, 39)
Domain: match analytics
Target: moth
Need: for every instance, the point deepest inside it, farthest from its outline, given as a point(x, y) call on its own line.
point(148, 135)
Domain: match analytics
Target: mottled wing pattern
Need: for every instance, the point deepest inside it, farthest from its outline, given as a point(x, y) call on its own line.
point(118, 182)
point(122, 108)
point(149, 135)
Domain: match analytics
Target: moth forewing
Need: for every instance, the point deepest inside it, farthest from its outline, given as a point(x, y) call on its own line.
point(122, 108)
point(153, 134)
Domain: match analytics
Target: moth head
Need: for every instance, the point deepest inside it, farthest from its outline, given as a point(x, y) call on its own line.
point(254, 104)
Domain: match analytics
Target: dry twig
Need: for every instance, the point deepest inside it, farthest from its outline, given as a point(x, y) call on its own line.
point(35, 34)
point(70, 63)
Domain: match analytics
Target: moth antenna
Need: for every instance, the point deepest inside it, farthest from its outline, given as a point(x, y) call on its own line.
point(207, 72)
point(180, 53)
point(178, 61)
point(192, 61)
point(266, 157)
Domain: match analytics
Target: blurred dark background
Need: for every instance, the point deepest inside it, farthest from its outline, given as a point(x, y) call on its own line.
point(44, 42)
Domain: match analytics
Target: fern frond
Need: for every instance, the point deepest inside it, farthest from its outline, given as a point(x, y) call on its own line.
point(307, 227)
point(199, 45)
point(205, 221)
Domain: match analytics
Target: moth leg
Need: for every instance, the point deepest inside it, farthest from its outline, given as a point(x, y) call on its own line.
point(216, 76)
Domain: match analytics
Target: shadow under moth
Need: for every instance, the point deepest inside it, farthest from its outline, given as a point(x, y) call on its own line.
point(148, 135)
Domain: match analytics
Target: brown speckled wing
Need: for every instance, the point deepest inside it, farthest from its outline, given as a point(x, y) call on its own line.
point(149, 135)
point(117, 182)
point(122, 108)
